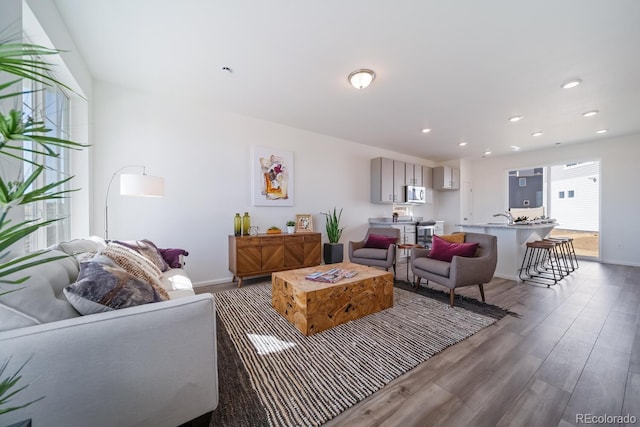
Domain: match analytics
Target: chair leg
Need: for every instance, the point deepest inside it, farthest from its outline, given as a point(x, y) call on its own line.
point(418, 281)
point(481, 286)
point(452, 295)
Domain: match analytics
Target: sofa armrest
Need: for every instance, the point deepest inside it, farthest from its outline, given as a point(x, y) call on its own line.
point(419, 253)
point(153, 364)
point(353, 245)
point(471, 270)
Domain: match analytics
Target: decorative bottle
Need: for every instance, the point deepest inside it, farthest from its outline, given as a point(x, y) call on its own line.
point(246, 224)
point(237, 225)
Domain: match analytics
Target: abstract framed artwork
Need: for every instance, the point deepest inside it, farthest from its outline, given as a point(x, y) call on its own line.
point(304, 223)
point(272, 177)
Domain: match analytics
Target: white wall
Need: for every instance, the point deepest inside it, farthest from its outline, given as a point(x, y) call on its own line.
point(204, 156)
point(619, 233)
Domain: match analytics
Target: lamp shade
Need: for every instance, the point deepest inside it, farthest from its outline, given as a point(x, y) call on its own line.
point(141, 185)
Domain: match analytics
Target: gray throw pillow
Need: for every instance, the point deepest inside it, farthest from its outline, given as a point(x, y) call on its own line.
point(101, 287)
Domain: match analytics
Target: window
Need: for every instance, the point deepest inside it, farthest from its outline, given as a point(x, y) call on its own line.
point(51, 106)
point(561, 195)
point(570, 193)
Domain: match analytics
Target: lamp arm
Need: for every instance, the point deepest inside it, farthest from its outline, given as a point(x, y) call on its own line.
point(106, 198)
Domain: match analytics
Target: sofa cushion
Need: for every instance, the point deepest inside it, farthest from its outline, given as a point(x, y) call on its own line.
point(135, 264)
point(445, 251)
point(175, 279)
point(370, 253)
point(102, 287)
point(40, 299)
point(379, 242)
point(81, 249)
point(441, 268)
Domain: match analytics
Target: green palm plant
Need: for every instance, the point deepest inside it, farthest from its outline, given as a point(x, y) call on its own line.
point(23, 61)
point(334, 231)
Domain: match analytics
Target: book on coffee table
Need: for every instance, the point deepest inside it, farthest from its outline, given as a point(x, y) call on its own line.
point(331, 276)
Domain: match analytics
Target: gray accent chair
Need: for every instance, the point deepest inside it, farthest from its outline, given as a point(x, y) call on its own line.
point(461, 271)
point(384, 258)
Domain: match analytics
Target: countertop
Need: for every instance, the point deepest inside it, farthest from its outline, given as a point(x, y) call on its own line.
point(509, 226)
point(401, 221)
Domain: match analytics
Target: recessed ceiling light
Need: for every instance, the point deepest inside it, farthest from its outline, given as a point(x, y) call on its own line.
point(515, 148)
point(590, 113)
point(602, 131)
point(514, 119)
point(571, 84)
point(486, 153)
point(462, 144)
point(426, 130)
point(537, 133)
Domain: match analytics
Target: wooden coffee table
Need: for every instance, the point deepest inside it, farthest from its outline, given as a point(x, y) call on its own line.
point(315, 306)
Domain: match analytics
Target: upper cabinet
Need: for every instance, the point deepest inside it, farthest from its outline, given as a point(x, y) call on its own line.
point(382, 180)
point(427, 183)
point(389, 178)
point(446, 178)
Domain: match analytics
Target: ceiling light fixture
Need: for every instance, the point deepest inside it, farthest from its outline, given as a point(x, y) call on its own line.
point(590, 113)
point(426, 130)
point(537, 133)
point(463, 144)
point(602, 131)
point(486, 153)
point(515, 148)
point(514, 119)
point(571, 84)
point(362, 78)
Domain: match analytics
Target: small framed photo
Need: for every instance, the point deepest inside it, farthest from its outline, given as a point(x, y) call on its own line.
point(304, 223)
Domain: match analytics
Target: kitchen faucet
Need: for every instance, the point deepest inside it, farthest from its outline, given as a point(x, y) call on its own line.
point(507, 215)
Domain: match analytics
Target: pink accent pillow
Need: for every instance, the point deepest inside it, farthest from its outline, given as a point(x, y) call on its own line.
point(379, 242)
point(445, 251)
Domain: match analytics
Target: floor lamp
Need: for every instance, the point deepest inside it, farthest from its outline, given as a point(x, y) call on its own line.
point(140, 185)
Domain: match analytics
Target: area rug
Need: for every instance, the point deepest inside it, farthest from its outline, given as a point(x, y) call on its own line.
point(305, 381)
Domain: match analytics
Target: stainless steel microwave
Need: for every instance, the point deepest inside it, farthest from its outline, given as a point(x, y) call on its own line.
point(414, 194)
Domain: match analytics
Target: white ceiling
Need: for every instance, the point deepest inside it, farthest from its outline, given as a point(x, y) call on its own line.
point(459, 67)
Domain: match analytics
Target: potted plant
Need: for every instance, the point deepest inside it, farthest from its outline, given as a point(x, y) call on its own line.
point(291, 227)
point(333, 251)
point(23, 61)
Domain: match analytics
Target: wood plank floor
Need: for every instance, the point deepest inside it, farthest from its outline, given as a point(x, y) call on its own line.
point(573, 349)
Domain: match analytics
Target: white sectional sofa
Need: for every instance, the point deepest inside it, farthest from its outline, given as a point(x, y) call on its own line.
point(153, 364)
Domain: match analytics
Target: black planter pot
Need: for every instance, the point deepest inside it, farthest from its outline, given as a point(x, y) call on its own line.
point(333, 253)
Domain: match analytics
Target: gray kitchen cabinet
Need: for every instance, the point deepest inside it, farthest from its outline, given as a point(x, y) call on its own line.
point(398, 181)
point(427, 183)
point(381, 180)
point(387, 180)
point(413, 175)
point(446, 178)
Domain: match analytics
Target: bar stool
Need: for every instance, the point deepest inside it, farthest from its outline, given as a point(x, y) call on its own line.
point(564, 251)
point(567, 243)
point(541, 263)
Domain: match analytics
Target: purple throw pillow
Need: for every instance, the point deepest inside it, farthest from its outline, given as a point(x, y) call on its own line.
point(379, 242)
point(172, 256)
point(445, 251)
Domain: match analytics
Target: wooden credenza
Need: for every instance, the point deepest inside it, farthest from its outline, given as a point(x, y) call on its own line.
point(265, 253)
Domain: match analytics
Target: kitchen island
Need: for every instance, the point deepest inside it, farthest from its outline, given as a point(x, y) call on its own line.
point(512, 240)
